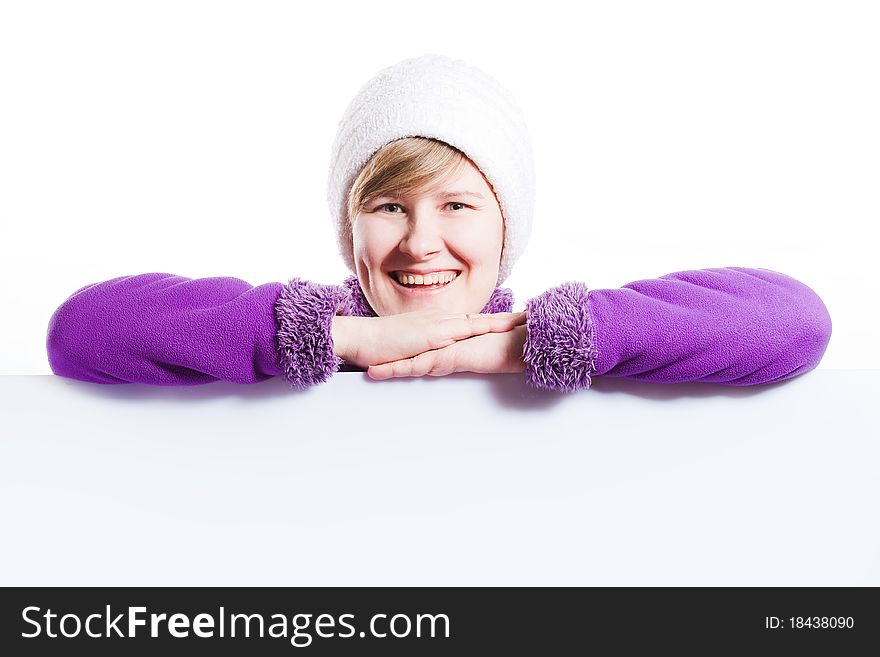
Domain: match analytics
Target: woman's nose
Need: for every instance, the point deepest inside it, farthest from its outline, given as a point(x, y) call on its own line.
point(423, 237)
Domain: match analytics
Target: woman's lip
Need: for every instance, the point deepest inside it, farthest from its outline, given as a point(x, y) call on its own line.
point(426, 273)
point(423, 289)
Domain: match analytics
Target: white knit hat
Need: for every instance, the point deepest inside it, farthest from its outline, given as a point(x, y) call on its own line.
point(442, 98)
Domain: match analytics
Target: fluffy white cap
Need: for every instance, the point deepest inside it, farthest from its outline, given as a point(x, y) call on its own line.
point(442, 98)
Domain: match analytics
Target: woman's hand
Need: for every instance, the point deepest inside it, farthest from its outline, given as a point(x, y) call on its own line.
point(492, 353)
point(366, 341)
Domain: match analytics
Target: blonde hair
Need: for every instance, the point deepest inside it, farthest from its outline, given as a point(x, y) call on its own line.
point(403, 165)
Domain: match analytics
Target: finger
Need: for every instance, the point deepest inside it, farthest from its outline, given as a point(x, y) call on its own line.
point(417, 366)
point(515, 318)
point(444, 361)
point(380, 372)
point(464, 326)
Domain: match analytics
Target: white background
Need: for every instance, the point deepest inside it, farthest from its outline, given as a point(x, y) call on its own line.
point(194, 138)
point(627, 484)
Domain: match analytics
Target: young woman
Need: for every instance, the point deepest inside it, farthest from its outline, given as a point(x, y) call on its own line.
point(431, 186)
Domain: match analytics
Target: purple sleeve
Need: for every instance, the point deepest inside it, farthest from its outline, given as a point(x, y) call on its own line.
point(305, 313)
point(169, 330)
point(734, 325)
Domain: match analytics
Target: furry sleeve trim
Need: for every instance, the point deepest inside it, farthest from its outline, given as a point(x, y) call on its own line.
point(560, 350)
point(501, 301)
point(304, 312)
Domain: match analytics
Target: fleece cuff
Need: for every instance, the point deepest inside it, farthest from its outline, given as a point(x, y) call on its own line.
point(560, 349)
point(304, 313)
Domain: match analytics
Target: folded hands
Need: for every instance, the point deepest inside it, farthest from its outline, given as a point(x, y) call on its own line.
point(432, 343)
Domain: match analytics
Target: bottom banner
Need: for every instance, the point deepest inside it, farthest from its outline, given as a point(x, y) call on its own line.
point(435, 621)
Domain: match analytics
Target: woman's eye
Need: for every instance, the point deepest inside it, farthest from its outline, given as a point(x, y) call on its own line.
point(396, 205)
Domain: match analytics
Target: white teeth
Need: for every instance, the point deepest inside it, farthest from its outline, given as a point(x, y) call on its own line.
point(428, 279)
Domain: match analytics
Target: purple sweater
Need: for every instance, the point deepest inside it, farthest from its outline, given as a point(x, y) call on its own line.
point(732, 325)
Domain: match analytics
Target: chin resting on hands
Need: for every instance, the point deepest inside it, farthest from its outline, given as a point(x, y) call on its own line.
point(491, 353)
point(367, 341)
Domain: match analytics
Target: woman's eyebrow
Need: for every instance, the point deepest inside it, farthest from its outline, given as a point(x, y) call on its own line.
point(448, 194)
point(443, 194)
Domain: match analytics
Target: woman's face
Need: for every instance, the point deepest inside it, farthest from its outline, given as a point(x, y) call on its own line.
point(452, 231)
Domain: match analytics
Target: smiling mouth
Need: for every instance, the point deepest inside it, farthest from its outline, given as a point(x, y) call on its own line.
point(417, 283)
